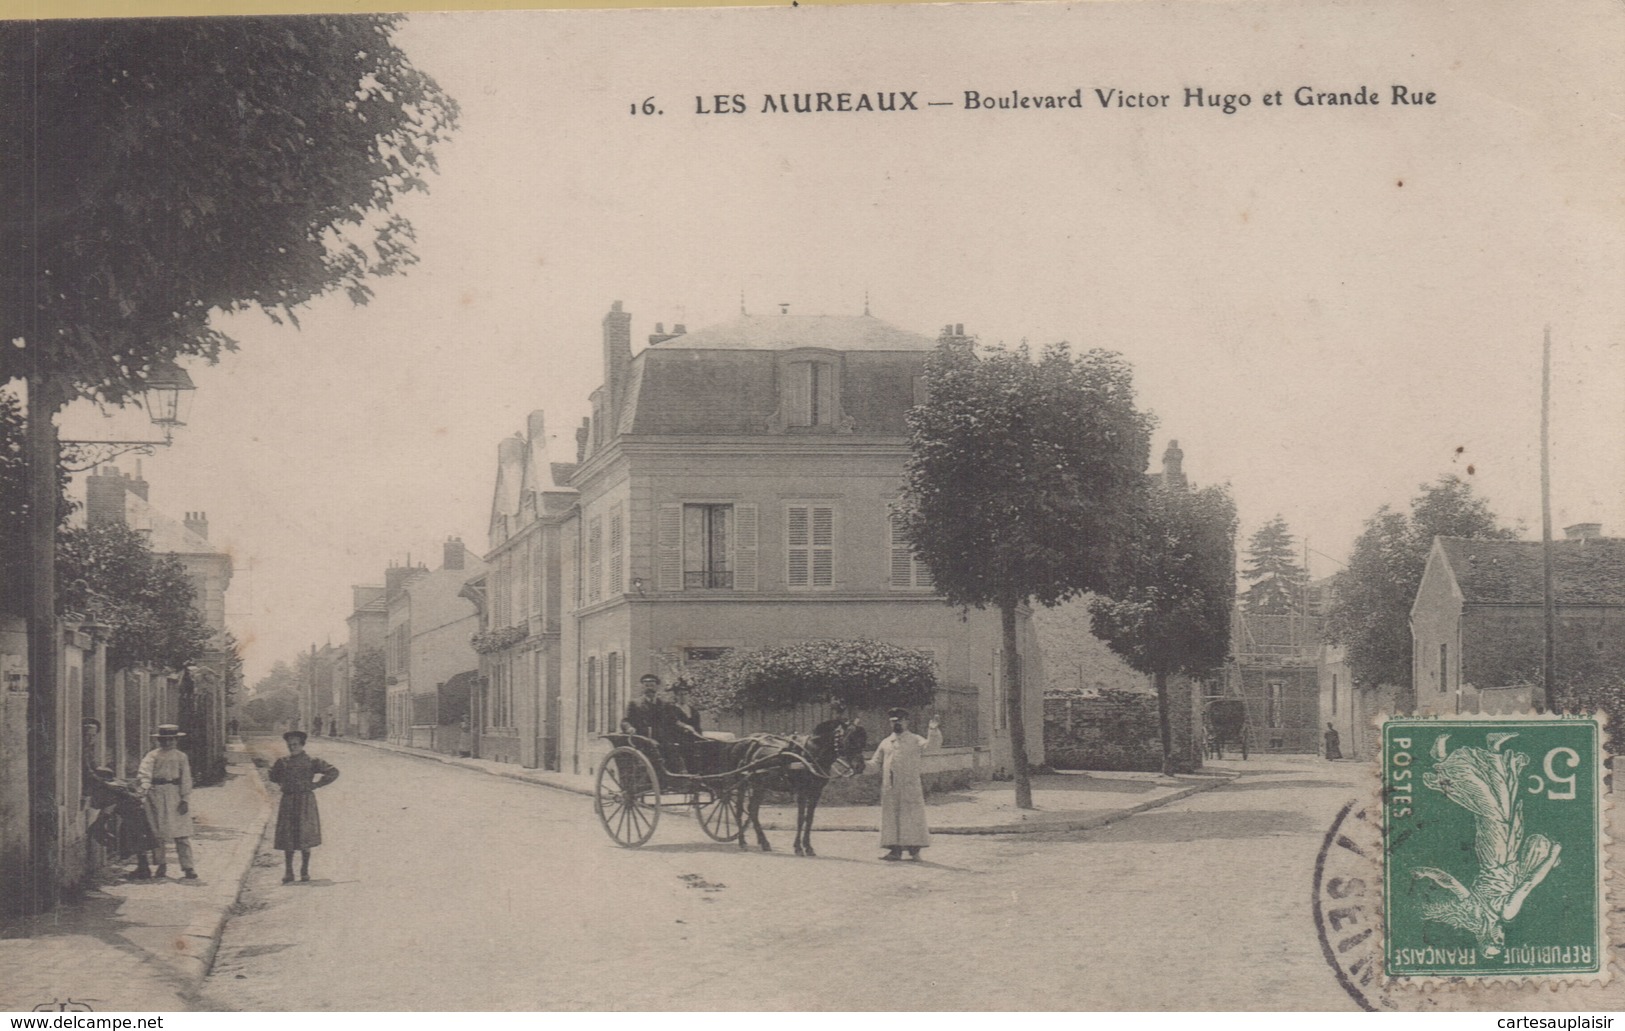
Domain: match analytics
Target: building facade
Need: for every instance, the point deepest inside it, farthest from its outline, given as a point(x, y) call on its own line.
point(1275, 667)
point(366, 626)
point(429, 628)
point(734, 491)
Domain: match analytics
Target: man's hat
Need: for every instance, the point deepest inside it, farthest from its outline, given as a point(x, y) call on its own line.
point(897, 713)
point(168, 730)
point(104, 772)
point(649, 678)
point(301, 735)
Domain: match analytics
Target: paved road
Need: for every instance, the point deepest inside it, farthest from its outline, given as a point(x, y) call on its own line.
point(445, 889)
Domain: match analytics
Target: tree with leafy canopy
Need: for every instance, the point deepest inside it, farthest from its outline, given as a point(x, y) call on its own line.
point(369, 688)
point(1372, 598)
point(14, 507)
point(860, 674)
point(1272, 567)
point(1173, 617)
point(160, 171)
point(146, 601)
point(1025, 482)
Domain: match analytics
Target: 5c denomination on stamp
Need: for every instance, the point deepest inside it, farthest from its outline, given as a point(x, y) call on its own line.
point(1493, 847)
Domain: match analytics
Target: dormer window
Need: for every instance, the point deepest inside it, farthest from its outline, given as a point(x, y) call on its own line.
point(811, 392)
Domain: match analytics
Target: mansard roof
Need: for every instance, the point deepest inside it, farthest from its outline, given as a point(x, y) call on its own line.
point(787, 332)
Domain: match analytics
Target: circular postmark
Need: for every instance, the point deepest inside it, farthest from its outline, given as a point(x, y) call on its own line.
point(1348, 905)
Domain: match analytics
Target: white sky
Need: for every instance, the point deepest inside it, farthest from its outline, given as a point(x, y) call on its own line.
point(1313, 332)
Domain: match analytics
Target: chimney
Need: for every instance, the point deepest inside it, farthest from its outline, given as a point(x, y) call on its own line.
point(953, 338)
point(396, 577)
point(453, 558)
point(104, 496)
point(660, 336)
point(617, 359)
point(198, 523)
point(1582, 531)
point(1173, 467)
point(535, 428)
point(137, 485)
point(511, 451)
point(582, 433)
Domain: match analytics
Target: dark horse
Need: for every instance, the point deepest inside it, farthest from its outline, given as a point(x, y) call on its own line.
point(798, 765)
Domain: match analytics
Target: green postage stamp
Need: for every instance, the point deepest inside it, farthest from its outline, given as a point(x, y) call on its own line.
point(1494, 847)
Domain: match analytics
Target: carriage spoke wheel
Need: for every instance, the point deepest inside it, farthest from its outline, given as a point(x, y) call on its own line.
point(719, 817)
point(627, 796)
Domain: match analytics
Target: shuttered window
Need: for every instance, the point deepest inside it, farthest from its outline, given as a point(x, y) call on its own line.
point(595, 558)
point(809, 546)
point(906, 570)
point(615, 575)
point(706, 547)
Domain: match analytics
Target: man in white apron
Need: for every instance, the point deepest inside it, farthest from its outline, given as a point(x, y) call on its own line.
point(902, 796)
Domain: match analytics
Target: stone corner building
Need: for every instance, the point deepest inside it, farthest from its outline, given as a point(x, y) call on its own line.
point(730, 490)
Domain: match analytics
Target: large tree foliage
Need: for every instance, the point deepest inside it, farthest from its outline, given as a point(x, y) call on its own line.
point(1371, 606)
point(158, 170)
point(146, 601)
point(1276, 579)
point(860, 673)
point(1025, 481)
point(1173, 617)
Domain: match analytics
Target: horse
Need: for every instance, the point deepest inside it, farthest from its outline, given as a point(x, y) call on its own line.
point(801, 766)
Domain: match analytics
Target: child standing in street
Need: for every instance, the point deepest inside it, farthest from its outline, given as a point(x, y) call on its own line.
point(298, 821)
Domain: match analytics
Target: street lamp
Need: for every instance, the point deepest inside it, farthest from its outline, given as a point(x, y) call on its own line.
point(167, 397)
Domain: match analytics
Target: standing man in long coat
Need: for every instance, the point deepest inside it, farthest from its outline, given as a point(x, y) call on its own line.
point(298, 821)
point(164, 781)
point(902, 796)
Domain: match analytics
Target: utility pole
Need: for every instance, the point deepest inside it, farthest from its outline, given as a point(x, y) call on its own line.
point(43, 460)
point(1549, 668)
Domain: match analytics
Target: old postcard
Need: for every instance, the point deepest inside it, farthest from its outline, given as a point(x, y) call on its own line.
point(693, 578)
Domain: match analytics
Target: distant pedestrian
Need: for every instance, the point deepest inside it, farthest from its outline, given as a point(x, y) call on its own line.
point(232, 726)
point(164, 781)
point(317, 726)
point(902, 794)
point(1334, 744)
point(298, 821)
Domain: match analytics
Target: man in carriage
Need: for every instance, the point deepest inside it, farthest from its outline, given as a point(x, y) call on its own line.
point(669, 725)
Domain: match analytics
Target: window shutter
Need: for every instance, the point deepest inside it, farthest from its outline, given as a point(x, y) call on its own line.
point(616, 549)
point(595, 558)
point(744, 545)
point(798, 398)
point(823, 546)
point(796, 539)
point(902, 559)
point(669, 548)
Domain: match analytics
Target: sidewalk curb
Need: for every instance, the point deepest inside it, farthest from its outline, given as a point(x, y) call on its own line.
point(197, 944)
point(1193, 786)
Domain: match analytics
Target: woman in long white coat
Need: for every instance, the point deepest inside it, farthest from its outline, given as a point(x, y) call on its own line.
point(899, 758)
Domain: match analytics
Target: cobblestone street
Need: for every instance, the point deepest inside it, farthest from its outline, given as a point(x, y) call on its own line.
point(443, 889)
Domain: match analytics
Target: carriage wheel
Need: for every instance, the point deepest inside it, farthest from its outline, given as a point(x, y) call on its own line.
point(626, 796)
point(719, 817)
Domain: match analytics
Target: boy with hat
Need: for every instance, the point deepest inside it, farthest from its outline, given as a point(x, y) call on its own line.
point(298, 821)
point(164, 781)
point(902, 795)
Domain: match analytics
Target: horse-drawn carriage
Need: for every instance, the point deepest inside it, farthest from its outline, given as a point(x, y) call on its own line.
point(720, 781)
point(1225, 722)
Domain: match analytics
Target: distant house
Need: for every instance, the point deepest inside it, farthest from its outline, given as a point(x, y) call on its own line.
point(515, 713)
point(427, 642)
point(366, 625)
point(1477, 627)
